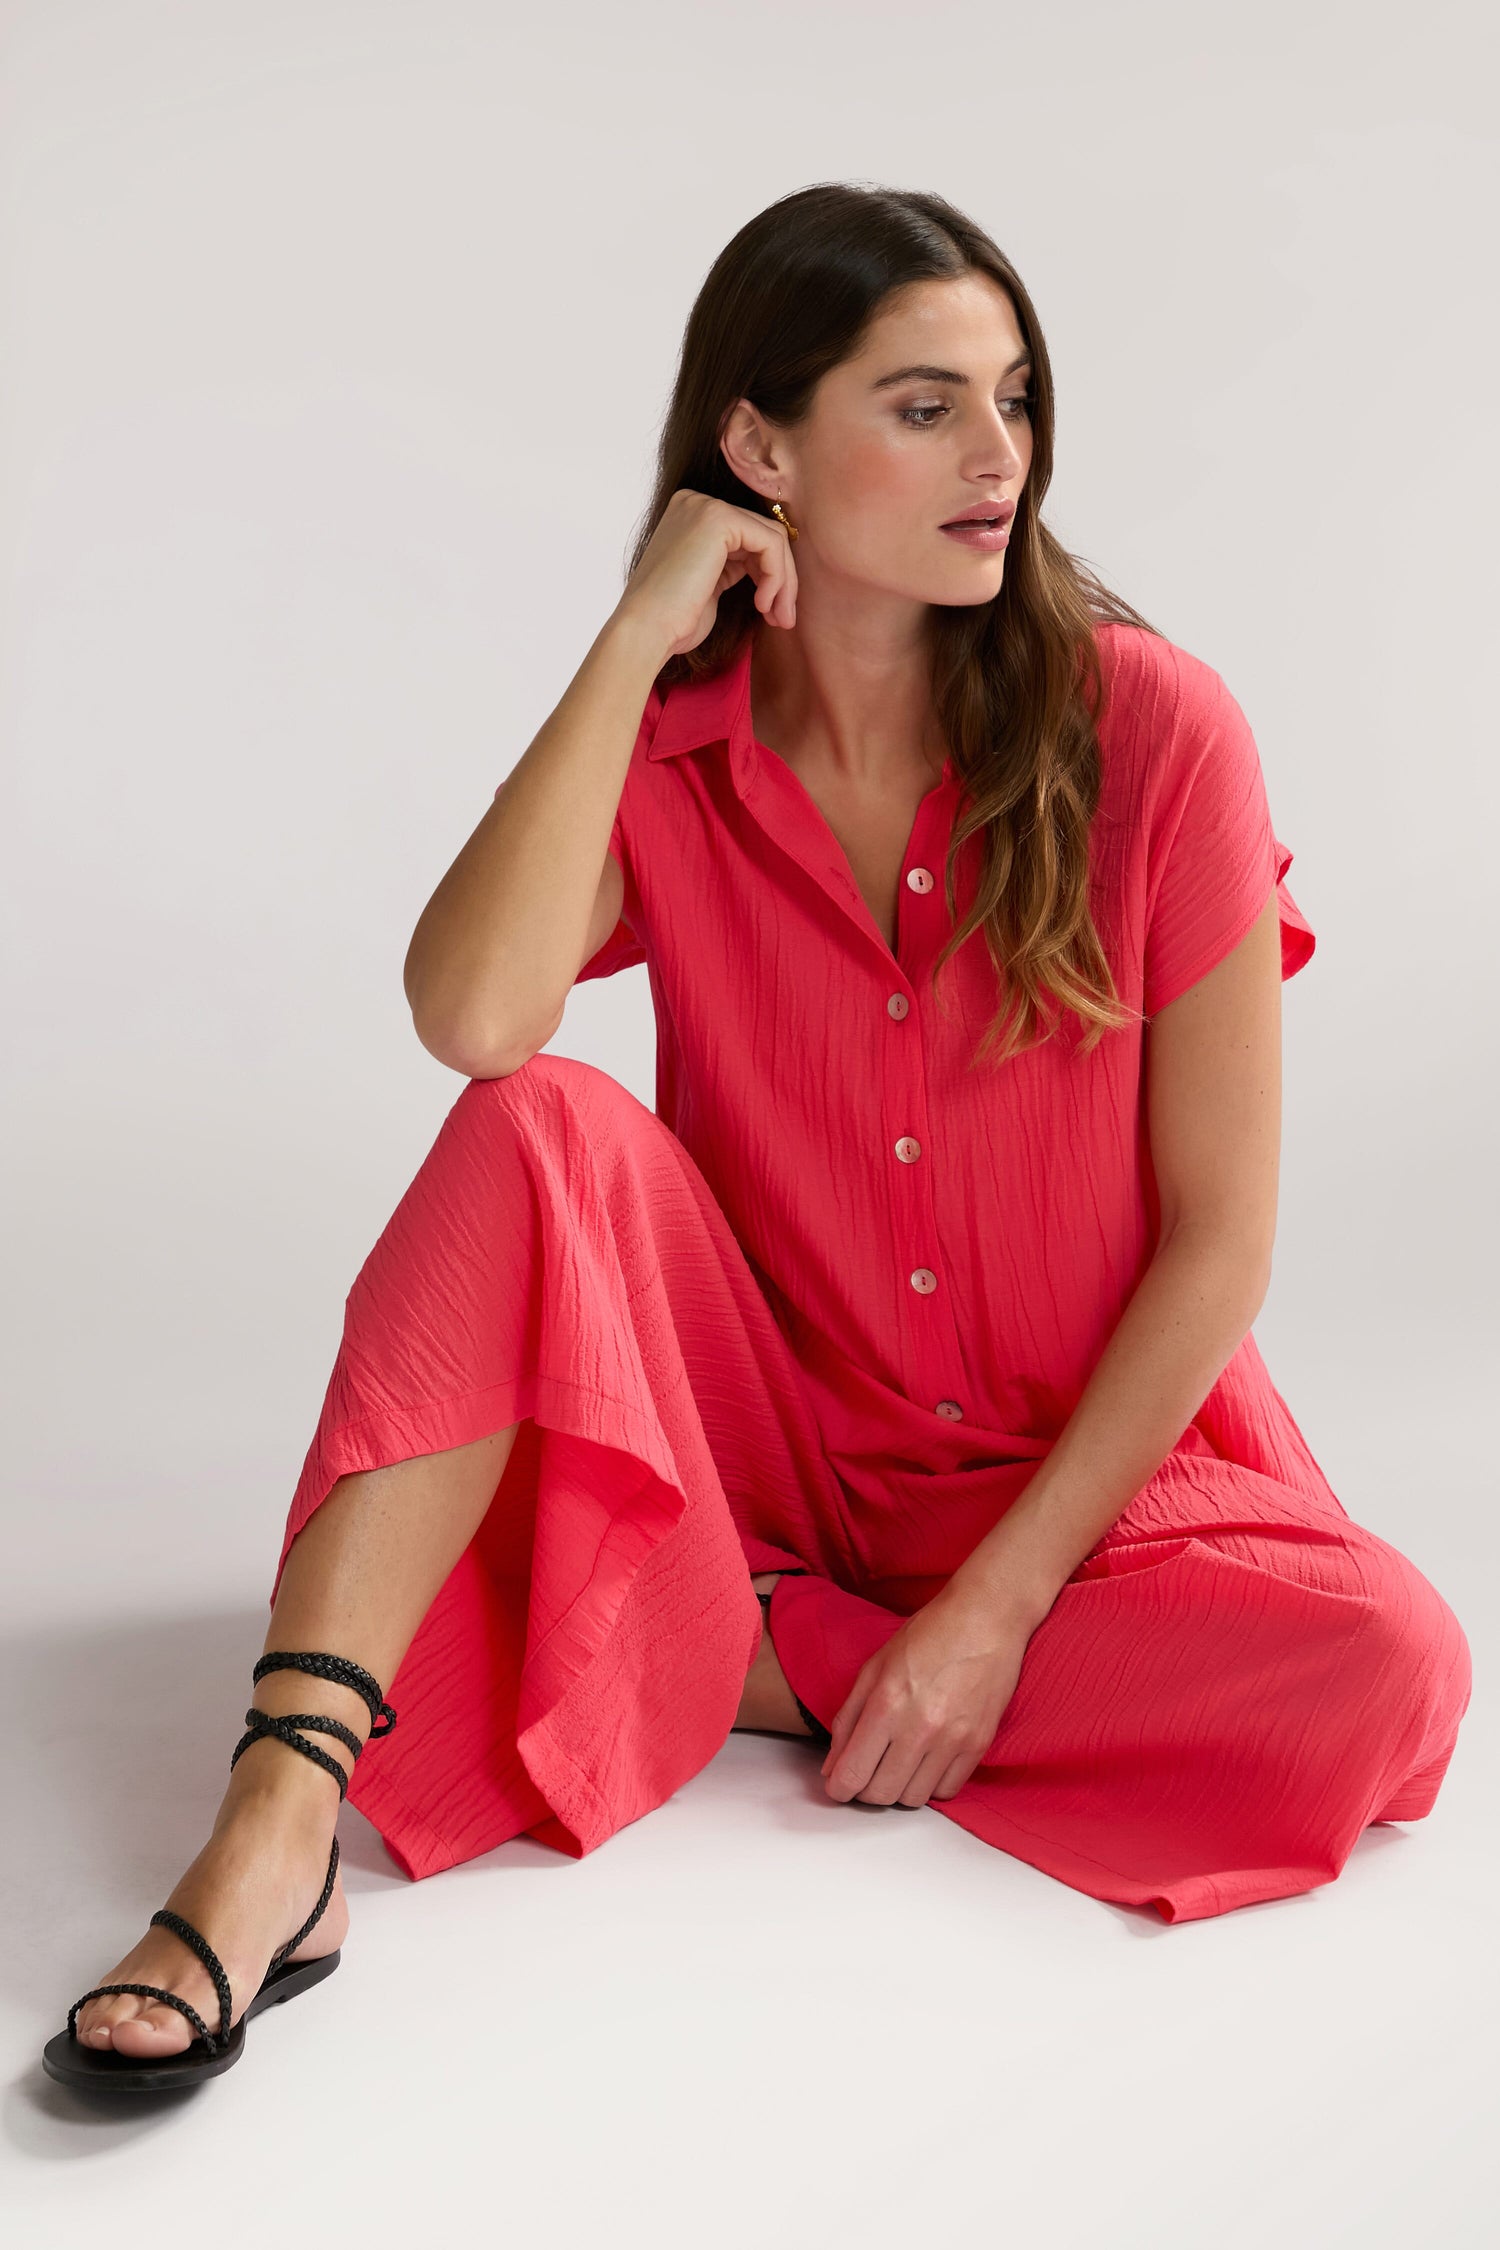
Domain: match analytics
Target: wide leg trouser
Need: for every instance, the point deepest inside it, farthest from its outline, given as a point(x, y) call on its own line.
point(1208, 1716)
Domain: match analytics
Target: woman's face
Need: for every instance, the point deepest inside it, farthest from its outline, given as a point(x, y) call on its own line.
point(927, 419)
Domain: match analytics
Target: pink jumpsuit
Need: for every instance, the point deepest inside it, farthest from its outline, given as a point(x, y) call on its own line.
point(824, 1311)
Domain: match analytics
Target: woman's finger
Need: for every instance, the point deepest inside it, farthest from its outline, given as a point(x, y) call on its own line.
point(775, 575)
point(849, 1770)
point(765, 551)
point(924, 1782)
point(786, 591)
point(671, 580)
point(846, 1718)
point(953, 1779)
point(891, 1778)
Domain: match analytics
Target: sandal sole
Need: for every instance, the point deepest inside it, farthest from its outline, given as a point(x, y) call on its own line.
point(105, 2070)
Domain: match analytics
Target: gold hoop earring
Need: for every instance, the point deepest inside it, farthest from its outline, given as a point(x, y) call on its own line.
point(783, 518)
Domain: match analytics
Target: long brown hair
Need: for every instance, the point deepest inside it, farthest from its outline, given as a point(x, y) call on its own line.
point(1017, 681)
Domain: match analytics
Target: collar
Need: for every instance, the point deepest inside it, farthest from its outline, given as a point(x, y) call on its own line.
point(717, 709)
point(698, 712)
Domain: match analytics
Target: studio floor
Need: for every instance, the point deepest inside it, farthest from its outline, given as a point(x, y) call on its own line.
point(754, 2015)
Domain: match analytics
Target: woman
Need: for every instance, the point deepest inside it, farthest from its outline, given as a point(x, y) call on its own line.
point(924, 1298)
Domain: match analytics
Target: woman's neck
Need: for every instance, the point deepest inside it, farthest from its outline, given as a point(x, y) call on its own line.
point(861, 717)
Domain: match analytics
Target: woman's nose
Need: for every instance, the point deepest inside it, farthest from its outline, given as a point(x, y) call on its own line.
point(1002, 449)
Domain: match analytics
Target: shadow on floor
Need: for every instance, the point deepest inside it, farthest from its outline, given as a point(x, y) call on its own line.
point(120, 1735)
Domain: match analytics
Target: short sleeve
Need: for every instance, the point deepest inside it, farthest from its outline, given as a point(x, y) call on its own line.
point(1213, 858)
point(622, 949)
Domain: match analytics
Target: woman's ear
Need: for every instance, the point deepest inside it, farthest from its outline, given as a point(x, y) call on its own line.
point(746, 442)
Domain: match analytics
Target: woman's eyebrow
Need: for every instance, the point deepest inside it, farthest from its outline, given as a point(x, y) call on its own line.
point(940, 374)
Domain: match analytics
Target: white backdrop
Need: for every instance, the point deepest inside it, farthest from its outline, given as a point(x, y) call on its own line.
point(336, 336)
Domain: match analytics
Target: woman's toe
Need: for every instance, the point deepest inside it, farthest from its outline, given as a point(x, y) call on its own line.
point(157, 2030)
point(96, 2023)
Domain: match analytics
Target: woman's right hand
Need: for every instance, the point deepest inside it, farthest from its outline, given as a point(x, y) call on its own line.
point(700, 548)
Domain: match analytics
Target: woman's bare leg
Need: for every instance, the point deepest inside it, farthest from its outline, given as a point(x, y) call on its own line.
point(359, 1578)
point(767, 1705)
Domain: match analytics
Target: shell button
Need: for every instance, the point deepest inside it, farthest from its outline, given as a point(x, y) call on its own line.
point(919, 879)
point(907, 1149)
point(924, 1281)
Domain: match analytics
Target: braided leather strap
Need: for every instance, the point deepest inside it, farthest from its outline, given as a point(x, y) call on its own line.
point(151, 1991)
point(292, 1943)
point(813, 1723)
point(206, 1954)
point(340, 1668)
point(284, 1725)
point(258, 1723)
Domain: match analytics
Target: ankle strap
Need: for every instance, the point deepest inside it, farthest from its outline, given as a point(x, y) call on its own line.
point(260, 1723)
point(341, 1669)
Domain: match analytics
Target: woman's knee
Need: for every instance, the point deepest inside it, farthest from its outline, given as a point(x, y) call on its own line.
point(554, 1113)
point(550, 1085)
point(1421, 1643)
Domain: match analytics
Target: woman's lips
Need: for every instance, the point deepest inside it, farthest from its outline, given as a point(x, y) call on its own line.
point(987, 537)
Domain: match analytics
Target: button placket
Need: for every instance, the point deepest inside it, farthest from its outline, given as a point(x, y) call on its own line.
point(931, 1346)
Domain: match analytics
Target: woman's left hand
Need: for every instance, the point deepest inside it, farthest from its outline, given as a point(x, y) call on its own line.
point(924, 1709)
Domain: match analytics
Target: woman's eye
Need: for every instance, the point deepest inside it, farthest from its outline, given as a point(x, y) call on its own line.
point(1020, 408)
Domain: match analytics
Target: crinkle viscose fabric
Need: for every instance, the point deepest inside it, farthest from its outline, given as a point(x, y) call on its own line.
point(824, 1311)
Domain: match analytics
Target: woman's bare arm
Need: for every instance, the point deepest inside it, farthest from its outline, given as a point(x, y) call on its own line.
point(501, 941)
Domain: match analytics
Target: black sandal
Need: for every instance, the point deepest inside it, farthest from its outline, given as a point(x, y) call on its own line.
point(67, 2059)
point(814, 1724)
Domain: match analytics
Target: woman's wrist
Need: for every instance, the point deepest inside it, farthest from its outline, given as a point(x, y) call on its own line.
point(632, 627)
point(1010, 1596)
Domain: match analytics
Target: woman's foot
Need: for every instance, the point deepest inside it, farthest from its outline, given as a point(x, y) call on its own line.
point(767, 1704)
point(254, 1883)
